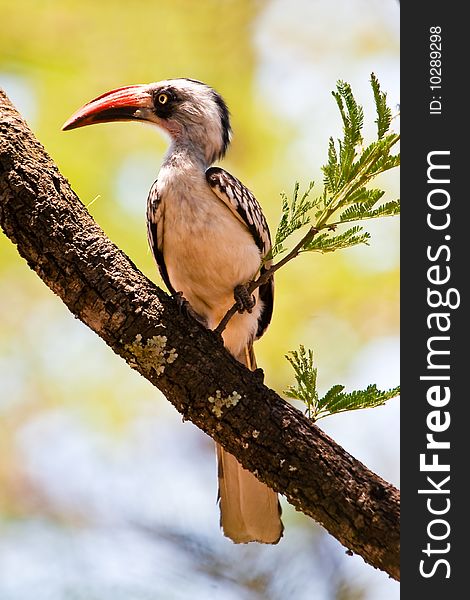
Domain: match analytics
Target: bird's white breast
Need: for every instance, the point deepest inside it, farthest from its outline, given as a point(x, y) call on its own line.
point(207, 250)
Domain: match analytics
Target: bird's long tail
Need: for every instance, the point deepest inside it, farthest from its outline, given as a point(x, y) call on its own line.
point(249, 509)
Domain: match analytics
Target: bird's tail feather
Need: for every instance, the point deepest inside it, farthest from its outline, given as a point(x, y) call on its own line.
point(249, 509)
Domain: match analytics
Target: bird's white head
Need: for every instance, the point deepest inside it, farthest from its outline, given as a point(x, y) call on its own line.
point(192, 113)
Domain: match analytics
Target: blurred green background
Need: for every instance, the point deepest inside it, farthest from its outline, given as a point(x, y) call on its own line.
point(104, 492)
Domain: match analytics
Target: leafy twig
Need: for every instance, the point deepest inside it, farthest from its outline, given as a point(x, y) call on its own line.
point(335, 400)
point(266, 276)
point(294, 217)
point(349, 170)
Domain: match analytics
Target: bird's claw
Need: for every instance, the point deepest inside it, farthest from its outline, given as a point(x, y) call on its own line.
point(181, 302)
point(259, 374)
point(243, 299)
point(185, 308)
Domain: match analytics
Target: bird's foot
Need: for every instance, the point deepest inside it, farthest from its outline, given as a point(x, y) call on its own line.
point(185, 308)
point(181, 302)
point(243, 299)
point(259, 374)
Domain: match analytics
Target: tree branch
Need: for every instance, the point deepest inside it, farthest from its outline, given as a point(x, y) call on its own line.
point(60, 241)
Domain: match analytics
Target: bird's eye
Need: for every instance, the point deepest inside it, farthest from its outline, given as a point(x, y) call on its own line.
point(163, 98)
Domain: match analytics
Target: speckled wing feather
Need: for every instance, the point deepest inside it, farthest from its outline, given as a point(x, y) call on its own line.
point(246, 208)
point(155, 233)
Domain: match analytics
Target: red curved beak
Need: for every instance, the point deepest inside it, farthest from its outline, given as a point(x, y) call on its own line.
point(133, 102)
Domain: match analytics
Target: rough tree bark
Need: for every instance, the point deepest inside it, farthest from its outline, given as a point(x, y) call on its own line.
point(60, 241)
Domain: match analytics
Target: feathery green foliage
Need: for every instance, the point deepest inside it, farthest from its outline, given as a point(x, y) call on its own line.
point(335, 400)
point(306, 378)
point(349, 170)
point(346, 198)
point(294, 216)
point(327, 243)
point(384, 114)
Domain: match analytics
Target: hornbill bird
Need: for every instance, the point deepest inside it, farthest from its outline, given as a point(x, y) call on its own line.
point(208, 235)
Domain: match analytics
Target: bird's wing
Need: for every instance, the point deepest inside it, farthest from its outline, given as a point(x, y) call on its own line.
point(155, 233)
point(242, 203)
point(246, 209)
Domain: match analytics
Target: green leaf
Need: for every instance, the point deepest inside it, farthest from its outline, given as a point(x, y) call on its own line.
point(331, 170)
point(295, 215)
point(335, 400)
point(329, 242)
point(306, 378)
point(351, 113)
point(364, 201)
point(389, 209)
point(384, 114)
